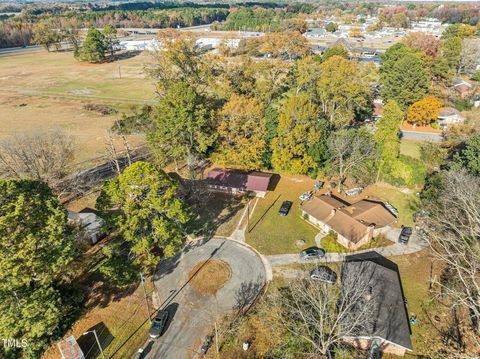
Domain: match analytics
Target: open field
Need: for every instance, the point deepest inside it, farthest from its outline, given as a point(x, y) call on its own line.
point(49, 90)
point(271, 233)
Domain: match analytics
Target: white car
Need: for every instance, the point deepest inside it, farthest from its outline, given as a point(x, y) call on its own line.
point(305, 196)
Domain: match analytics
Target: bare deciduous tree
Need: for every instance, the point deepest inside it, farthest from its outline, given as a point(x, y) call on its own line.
point(324, 314)
point(451, 226)
point(41, 155)
point(470, 56)
point(350, 149)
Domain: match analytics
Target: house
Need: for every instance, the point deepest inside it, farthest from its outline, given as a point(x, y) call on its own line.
point(355, 224)
point(476, 101)
point(239, 182)
point(464, 88)
point(88, 222)
point(377, 109)
point(69, 349)
point(449, 116)
point(390, 328)
point(315, 33)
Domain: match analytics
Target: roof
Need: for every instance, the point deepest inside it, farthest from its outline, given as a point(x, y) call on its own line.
point(391, 321)
point(352, 221)
point(88, 221)
point(69, 349)
point(448, 111)
point(371, 212)
point(253, 181)
point(377, 109)
point(457, 81)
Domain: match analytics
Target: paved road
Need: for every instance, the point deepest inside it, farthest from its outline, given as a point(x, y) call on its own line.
point(422, 136)
point(397, 249)
point(194, 313)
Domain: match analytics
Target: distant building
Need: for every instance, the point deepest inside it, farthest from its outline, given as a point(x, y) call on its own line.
point(449, 116)
point(355, 224)
point(239, 182)
point(464, 88)
point(89, 223)
point(315, 33)
point(389, 329)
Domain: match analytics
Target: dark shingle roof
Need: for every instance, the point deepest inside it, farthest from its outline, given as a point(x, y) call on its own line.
point(391, 321)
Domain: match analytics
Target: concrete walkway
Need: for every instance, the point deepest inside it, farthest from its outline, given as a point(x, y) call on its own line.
point(397, 249)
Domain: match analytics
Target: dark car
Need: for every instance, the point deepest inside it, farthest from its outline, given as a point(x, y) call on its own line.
point(285, 208)
point(206, 344)
point(312, 253)
point(158, 324)
point(324, 274)
point(405, 235)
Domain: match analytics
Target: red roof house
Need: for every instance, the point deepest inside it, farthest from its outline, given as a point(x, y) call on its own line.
point(239, 182)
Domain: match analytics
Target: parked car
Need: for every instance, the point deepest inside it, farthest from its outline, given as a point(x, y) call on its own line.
point(324, 274)
point(353, 191)
point(312, 253)
point(206, 344)
point(305, 196)
point(392, 209)
point(158, 324)
point(285, 208)
point(405, 235)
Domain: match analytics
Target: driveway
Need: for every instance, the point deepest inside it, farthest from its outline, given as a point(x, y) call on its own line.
point(397, 249)
point(193, 314)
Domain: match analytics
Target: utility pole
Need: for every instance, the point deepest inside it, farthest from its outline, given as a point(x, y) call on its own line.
point(216, 338)
point(142, 279)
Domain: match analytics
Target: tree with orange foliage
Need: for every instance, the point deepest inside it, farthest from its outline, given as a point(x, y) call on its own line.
point(425, 111)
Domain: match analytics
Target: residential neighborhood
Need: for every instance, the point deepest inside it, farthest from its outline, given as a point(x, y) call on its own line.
point(239, 180)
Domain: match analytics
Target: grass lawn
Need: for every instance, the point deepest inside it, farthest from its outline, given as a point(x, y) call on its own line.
point(410, 148)
point(215, 212)
point(49, 91)
point(415, 270)
point(405, 201)
point(271, 233)
point(209, 276)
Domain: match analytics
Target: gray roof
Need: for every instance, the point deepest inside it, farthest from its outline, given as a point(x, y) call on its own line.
point(391, 321)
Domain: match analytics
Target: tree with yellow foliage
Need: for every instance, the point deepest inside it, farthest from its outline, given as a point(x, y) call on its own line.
point(296, 133)
point(242, 132)
point(425, 111)
point(342, 87)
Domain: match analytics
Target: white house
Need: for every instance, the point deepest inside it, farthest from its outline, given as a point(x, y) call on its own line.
point(449, 116)
point(88, 222)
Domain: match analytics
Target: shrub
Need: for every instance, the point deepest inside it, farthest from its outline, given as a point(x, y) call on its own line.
point(463, 104)
point(406, 171)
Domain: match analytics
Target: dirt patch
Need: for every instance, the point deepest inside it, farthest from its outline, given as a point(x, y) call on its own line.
point(209, 276)
point(82, 92)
